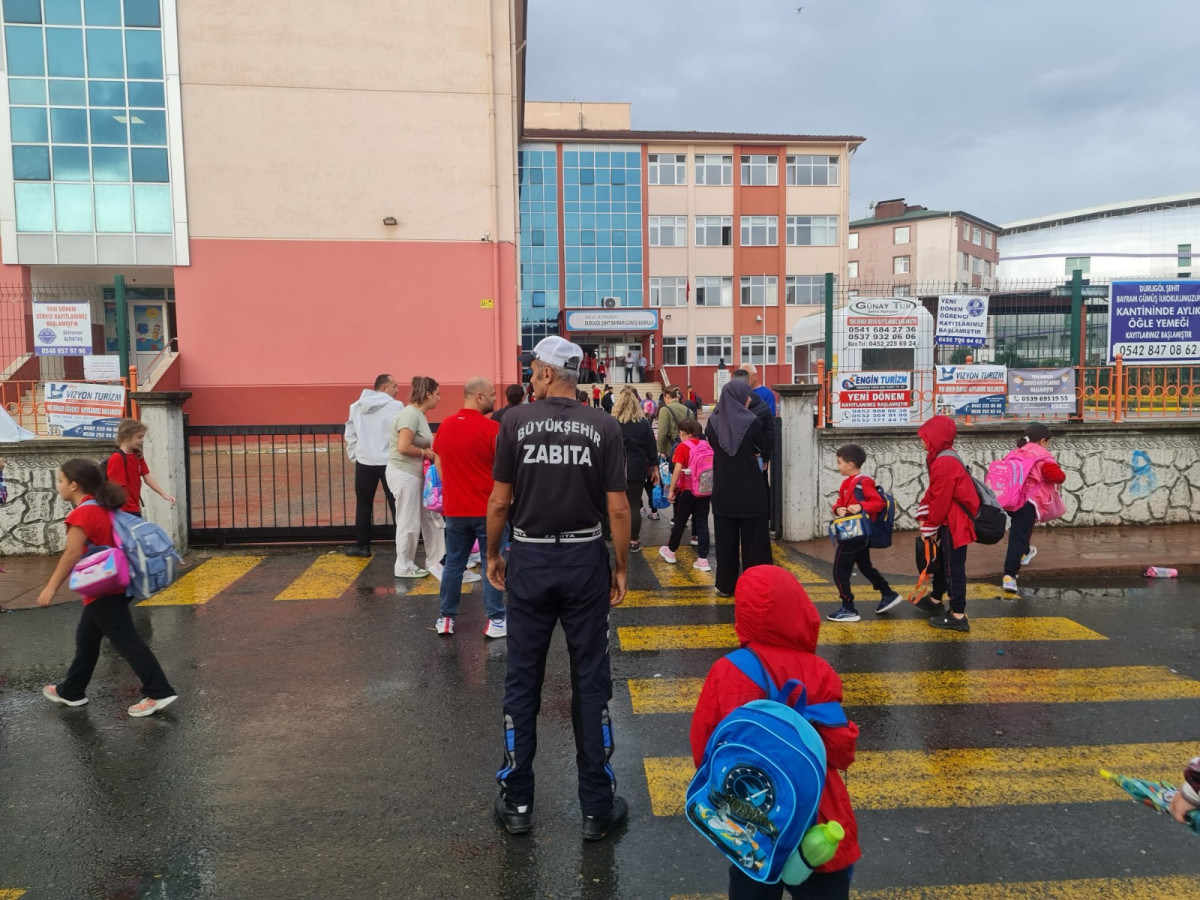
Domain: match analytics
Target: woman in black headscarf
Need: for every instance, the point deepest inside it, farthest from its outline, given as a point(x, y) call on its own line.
point(742, 535)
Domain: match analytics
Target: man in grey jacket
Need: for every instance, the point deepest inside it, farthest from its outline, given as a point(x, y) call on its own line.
point(367, 434)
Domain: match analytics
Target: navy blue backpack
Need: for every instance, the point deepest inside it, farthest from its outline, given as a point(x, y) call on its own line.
point(883, 524)
point(759, 785)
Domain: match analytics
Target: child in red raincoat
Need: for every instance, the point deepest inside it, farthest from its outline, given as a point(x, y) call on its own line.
point(774, 618)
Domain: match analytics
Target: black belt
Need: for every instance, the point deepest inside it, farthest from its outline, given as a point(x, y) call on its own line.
point(566, 537)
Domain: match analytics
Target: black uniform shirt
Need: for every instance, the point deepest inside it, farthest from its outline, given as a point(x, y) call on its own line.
point(561, 458)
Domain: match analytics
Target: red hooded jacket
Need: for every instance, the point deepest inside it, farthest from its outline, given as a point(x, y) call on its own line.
point(775, 618)
point(950, 498)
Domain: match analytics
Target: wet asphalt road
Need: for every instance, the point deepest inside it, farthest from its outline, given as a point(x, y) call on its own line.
point(340, 749)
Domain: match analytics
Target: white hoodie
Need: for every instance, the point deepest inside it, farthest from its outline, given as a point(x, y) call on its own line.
point(370, 427)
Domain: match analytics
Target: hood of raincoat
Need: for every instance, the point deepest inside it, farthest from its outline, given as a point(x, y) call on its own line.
point(938, 434)
point(771, 607)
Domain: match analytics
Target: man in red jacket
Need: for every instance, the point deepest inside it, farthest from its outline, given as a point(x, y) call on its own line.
point(775, 619)
point(947, 512)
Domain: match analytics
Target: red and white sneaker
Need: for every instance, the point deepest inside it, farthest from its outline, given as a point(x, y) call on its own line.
point(445, 625)
point(148, 707)
point(50, 692)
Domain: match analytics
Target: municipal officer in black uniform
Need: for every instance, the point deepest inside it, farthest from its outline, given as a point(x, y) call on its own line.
point(559, 466)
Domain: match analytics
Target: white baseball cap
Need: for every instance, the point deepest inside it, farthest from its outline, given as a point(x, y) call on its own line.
point(558, 352)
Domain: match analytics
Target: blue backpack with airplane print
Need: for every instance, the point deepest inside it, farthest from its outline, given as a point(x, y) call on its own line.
point(759, 785)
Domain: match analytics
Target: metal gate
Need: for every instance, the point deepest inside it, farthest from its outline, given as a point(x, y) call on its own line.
point(266, 483)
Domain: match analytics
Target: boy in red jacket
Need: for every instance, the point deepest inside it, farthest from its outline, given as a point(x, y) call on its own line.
point(850, 459)
point(774, 618)
point(947, 511)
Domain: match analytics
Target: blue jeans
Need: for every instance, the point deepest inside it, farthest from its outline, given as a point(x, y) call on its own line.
point(461, 534)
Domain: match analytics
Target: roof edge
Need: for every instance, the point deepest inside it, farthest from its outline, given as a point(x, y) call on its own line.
point(665, 137)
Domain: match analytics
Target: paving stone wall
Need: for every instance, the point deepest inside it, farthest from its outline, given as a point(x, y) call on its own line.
point(1133, 474)
point(31, 522)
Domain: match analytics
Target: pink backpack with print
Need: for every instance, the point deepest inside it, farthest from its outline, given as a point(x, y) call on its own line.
point(700, 469)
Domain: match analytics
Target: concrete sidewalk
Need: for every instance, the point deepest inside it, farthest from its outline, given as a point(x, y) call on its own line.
point(1062, 552)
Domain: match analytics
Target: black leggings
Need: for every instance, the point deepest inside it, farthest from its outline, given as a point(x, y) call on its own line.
point(1019, 533)
point(109, 617)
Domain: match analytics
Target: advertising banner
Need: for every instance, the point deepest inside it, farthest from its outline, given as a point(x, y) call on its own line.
point(84, 410)
point(881, 323)
point(102, 368)
point(872, 398)
point(149, 327)
point(1154, 322)
point(1036, 391)
point(62, 329)
point(971, 390)
point(961, 320)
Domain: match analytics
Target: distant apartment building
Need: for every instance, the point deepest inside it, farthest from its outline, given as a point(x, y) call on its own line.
point(902, 249)
point(1150, 238)
point(695, 249)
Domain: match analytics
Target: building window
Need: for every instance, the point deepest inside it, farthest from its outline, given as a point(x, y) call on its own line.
point(852, 240)
point(760, 290)
point(976, 265)
point(1083, 263)
point(966, 262)
point(812, 231)
point(1185, 256)
point(966, 231)
point(714, 169)
point(760, 231)
point(668, 291)
point(667, 168)
point(714, 349)
point(901, 265)
point(976, 236)
point(987, 268)
point(760, 170)
point(812, 170)
point(987, 239)
point(805, 290)
point(760, 350)
point(900, 235)
point(714, 290)
point(674, 350)
point(714, 231)
point(900, 290)
point(668, 231)
point(852, 268)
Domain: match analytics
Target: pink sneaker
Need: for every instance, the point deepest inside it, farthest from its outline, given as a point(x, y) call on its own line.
point(148, 707)
point(702, 565)
point(50, 692)
point(665, 552)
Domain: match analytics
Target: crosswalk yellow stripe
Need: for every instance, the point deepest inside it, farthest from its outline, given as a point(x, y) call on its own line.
point(804, 573)
point(894, 631)
point(327, 578)
point(11, 894)
point(1169, 887)
point(205, 581)
point(1006, 776)
point(820, 593)
point(1118, 683)
point(681, 574)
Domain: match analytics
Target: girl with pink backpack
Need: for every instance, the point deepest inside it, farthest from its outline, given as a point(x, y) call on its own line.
point(1026, 484)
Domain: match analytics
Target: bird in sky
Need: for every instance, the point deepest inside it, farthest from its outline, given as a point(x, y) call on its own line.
point(799, 10)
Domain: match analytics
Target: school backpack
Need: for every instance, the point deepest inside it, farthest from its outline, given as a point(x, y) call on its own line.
point(700, 468)
point(1007, 477)
point(990, 521)
point(759, 785)
point(431, 489)
point(885, 522)
point(153, 560)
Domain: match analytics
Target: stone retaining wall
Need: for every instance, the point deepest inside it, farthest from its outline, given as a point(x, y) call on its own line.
point(31, 522)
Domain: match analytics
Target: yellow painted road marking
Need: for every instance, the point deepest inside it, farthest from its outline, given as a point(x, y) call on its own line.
point(1171, 887)
point(896, 631)
point(12, 894)
point(1118, 683)
point(205, 581)
point(806, 575)
point(820, 593)
point(1007, 776)
point(679, 575)
point(327, 578)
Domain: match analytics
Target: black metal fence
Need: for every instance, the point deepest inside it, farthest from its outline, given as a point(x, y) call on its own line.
point(265, 483)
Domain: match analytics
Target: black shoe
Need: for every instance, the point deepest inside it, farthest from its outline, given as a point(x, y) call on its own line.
point(721, 593)
point(518, 819)
point(950, 622)
point(356, 550)
point(931, 606)
point(596, 828)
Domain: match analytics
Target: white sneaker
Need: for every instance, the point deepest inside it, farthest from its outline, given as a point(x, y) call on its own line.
point(50, 692)
point(1028, 557)
point(665, 552)
point(702, 565)
point(148, 707)
point(436, 570)
point(471, 577)
point(1009, 585)
point(414, 572)
point(473, 560)
point(496, 628)
point(445, 625)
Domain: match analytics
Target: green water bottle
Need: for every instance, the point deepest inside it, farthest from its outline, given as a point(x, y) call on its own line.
point(819, 845)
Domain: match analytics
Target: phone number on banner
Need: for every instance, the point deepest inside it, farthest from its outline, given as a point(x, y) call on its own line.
point(1151, 351)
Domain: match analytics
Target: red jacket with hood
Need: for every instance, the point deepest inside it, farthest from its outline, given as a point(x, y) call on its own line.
point(775, 618)
point(950, 498)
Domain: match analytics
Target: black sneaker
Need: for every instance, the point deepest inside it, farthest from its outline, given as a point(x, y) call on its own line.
point(950, 622)
point(596, 828)
point(888, 602)
point(356, 550)
point(635, 546)
point(518, 819)
point(931, 606)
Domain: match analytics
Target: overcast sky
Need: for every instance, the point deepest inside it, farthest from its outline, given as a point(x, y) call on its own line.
point(1007, 109)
